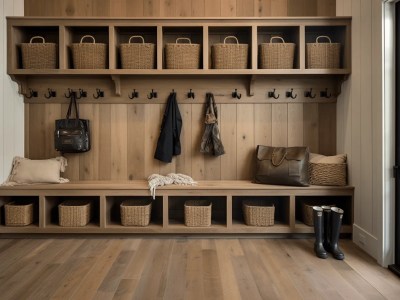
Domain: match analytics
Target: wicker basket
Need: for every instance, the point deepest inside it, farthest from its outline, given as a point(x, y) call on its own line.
point(18, 214)
point(135, 212)
point(89, 55)
point(182, 56)
point(74, 213)
point(230, 56)
point(39, 55)
point(323, 55)
point(137, 55)
point(198, 213)
point(258, 213)
point(307, 213)
point(328, 174)
point(277, 55)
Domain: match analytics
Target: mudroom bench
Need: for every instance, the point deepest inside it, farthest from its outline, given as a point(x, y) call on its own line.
point(167, 214)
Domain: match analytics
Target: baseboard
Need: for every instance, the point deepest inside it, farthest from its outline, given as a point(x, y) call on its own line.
point(365, 241)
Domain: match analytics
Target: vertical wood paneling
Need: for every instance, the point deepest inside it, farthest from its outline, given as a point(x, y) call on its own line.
point(245, 141)
point(72, 171)
point(262, 8)
point(262, 124)
point(183, 8)
point(167, 8)
point(134, 8)
point(136, 144)
point(327, 128)
point(104, 144)
point(326, 7)
point(119, 134)
point(295, 124)
point(198, 8)
point(310, 126)
point(151, 8)
point(228, 134)
point(152, 131)
point(279, 8)
point(212, 8)
point(197, 133)
point(228, 8)
point(212, 164)
point(101, 8)
point(245, 8)
point(184, 161)
point(279, 125)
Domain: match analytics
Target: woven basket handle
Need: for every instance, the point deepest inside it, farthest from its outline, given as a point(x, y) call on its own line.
point(183, 39)
point(136, 36)
point(88, 36)
point(276, 37)
point(231, 37)
point(37, 37)
point(324, 36)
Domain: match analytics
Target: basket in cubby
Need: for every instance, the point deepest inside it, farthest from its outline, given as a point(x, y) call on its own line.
point(74, 213)
point(230, 56)
point(137, 55)
point(198, 213)
point(18, 213)
point(323, 55)
point(307, 213)
point(89, 55)
point(277, 55)
point(258, 213)
point(182, 55)
point(136, 212)
point(39, 55)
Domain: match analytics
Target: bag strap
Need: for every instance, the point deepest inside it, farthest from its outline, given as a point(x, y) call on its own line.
point(275, 156)
point(213, 106)
point(72, 102)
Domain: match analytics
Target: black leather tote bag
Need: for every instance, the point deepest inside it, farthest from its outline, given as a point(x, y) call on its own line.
point(72, 135)
point(282, 166)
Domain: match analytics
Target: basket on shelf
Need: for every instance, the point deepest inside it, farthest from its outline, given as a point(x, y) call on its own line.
point(89, 55)
point(323, 55)
point(230, 56)
point(307, 213)
point(198, 213)
point(74, 213)
point(328, 174)
point(137, 55)
point(136, 212)
point(39, 55)
point(18, 214)
point(182, 56)
point(258, 213)
point(277, 55)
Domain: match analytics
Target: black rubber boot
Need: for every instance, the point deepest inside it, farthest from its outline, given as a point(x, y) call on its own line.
point(319, 232)
point(327, 227)
point(336, 223)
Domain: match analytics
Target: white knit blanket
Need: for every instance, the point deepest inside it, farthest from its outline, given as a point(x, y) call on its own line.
point(156, 180)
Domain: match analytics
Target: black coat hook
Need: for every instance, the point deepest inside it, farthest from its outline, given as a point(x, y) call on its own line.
point(324, 94)
point(51, 93)
point(290, 94)
point(190, 94)
point(308, 94)
point(82, 93)
point(70, 92)
point(152, 95)
point(236, 95)
point(134, 94)
point(31, 94)
point(100, 94)
point(273, 94)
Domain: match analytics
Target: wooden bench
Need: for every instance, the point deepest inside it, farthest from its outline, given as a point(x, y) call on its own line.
point(167, 212)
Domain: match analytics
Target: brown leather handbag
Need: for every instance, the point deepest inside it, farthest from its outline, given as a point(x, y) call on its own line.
point(282, 166)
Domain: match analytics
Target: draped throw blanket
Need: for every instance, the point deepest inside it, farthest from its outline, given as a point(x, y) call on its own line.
point(156, 180)
point(211, 141)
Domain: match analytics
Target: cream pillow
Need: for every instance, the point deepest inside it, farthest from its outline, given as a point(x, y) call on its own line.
point(322, 159)
point(28, 171)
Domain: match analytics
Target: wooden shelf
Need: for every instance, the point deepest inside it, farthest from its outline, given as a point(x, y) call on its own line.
point(303, 228)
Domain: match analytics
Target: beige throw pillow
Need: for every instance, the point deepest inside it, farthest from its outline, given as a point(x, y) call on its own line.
point(27, 171)
point(322, 159)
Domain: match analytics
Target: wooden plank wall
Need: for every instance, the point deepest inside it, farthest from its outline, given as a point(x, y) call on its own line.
point(125, 135)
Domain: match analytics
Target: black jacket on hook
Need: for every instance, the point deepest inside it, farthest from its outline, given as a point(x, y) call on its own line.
point(169, 142)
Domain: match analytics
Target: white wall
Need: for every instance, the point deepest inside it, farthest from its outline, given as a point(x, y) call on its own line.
point(361, 127)
point(11, 104)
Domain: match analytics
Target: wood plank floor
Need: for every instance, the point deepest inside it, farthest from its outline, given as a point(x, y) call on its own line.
point(187, 269)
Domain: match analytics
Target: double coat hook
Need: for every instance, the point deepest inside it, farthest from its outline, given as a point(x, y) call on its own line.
point(152, 95)
point(308, 94)
point(50, 93)
point(236, 95)
point(324, 94)
point(31, 94)
point(99, 94)
point(290, 94)
point(134, 94)
point(81, 93)
point(273, 94)
point(190, 94)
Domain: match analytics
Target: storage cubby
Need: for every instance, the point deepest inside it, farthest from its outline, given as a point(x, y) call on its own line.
point(23, 34)
point(51, 210)
point(217, 35)
point(74, 34)
point(337, 34)
point(176, 209)
point(123, 34)
point(194, 33)
point(113, 211)
point(343, 202)
point(290, 34)
point(20, 200)
point(281, 204)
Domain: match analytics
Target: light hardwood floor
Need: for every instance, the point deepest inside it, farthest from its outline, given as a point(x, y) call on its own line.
point(187, 269)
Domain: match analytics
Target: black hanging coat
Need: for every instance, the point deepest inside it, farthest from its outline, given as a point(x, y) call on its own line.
point(169, 143)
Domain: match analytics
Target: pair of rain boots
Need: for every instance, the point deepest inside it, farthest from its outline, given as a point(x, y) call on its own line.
point(327, 223)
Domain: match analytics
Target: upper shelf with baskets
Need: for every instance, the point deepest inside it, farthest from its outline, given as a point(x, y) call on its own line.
point(162, 46)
